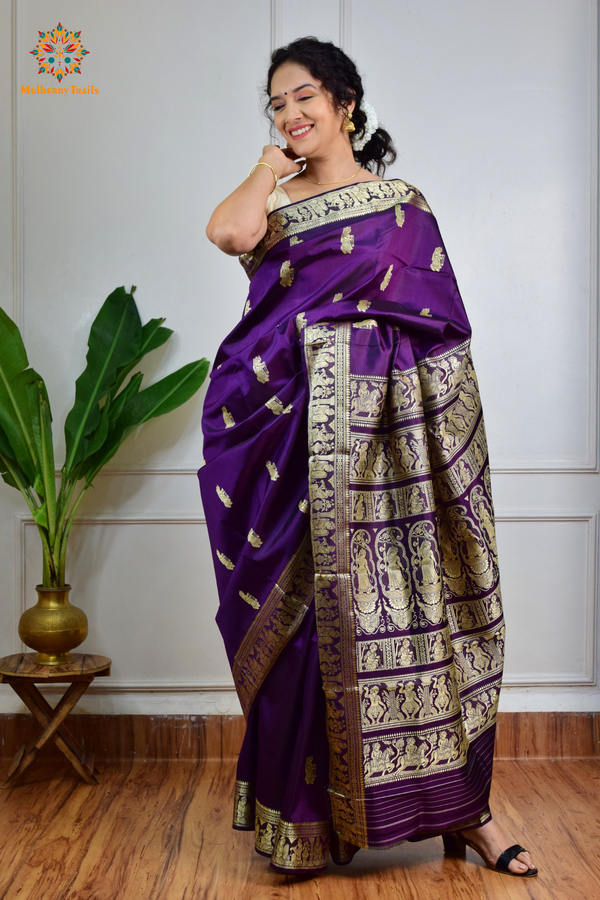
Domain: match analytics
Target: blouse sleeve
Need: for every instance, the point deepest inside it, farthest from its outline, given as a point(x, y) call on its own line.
point(277, 198)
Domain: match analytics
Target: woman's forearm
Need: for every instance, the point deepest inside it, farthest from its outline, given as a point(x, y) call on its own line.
point(240, 221)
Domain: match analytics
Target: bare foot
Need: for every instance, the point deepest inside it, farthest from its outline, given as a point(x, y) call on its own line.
point(492, 842)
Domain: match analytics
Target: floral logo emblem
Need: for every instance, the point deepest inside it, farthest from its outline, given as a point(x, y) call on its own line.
point(59, 52)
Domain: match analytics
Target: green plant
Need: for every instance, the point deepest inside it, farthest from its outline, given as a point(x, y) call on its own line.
point(107, 409)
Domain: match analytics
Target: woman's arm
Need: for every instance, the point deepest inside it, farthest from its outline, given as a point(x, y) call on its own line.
point(240, 221)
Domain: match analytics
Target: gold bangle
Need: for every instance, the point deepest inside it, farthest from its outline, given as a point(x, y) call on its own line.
point(270, 167)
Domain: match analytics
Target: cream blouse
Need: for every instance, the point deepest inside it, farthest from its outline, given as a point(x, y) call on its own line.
point(277, 198)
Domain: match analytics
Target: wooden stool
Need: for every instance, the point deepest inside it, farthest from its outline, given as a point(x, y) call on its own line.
point(21, 672)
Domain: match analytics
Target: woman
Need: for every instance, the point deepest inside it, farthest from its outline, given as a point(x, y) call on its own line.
point(347, 494)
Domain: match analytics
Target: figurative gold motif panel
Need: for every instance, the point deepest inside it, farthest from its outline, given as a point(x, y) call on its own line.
point(480, 709)
point(474, 613)
point(413, 449)
point(390, 758)
point(382, 459)
point(395, 503)
point(478, 656)
point(454, 481)
point(265, 827)
point(291, 845)
point(433, 382)
point(469, 555)
point(243, 805)
point(403, 652)
point(389, 592)
point(408, 698)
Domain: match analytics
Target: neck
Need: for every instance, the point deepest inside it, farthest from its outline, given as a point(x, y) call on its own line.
point(335, 166)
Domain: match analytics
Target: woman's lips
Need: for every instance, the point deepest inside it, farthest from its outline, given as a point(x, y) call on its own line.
point(298, 137)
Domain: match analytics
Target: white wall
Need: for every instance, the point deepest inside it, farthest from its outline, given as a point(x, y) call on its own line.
point(494, 110)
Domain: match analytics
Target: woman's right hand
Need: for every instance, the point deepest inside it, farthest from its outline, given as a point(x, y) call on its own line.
point(281, 160)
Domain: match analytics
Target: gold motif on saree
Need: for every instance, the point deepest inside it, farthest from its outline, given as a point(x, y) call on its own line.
point(387, 278)
point(252, 601)
point(425, 561)
point(304, 506)
point(338, 297)
point(400, 216)
point(300, 322)
point(437, 260)
point(480, 710)
point(272, 469)
point(474, 613)
point(243, 805)
point(366, 323)
point(295, 240)
point(367, 603)
point(265, 828)
point(224, 497)
point(247, 309)
point(254, 539)
point(260, 369)
point(347, 240)
point(368, 396)
point(363, 305)
point(392, 564)
point(426, 312)
point(225, 560)
point(227, 417)
point(286, 274)
point(277, 407)
point(310, 770)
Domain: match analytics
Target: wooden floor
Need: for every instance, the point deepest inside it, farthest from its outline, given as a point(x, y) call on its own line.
point(161, 831)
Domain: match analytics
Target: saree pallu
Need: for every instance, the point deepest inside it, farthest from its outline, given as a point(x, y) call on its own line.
point(347, 492)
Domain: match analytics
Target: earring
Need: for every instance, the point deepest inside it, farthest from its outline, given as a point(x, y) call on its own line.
point(288, 145)
point(349, 124)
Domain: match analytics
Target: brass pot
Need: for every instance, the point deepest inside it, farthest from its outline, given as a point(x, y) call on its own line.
point(53, 626)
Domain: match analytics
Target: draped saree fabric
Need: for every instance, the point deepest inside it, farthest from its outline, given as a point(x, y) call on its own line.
point(347, 492)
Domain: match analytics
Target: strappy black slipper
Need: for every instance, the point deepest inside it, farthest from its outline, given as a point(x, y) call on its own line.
point(455, 844)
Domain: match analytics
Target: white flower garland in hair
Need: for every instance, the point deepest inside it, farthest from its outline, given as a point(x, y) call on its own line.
point(370, 127)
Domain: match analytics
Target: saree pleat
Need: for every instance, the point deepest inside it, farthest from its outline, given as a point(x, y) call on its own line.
point(348, 500)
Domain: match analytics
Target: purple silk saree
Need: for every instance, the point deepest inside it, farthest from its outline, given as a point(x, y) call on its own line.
point(347, 493)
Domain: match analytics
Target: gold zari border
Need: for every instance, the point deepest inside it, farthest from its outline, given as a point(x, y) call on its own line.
point(291, 845)
point(335, 206)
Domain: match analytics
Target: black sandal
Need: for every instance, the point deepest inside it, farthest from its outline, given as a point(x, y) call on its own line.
point(455, 844)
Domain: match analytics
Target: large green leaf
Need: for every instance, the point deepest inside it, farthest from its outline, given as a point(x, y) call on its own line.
point(153, 336)
point(155, 400)
point(166, 395)
point(114, 342)
point(15, 413)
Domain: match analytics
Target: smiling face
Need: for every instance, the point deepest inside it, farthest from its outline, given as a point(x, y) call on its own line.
point(304, 113)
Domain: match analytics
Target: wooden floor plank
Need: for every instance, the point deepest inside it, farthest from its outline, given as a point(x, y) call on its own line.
point(162, 831)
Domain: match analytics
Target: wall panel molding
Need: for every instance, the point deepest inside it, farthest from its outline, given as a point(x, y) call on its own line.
point(23, 521)
point(590, 638)
point(17, 173)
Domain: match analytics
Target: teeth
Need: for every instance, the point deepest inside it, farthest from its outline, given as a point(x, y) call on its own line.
point(301, 131)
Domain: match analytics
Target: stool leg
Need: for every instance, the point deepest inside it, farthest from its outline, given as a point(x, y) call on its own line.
point(35, 703)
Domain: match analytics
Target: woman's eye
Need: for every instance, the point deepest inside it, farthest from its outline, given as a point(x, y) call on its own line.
point(277, 108)
point(309, 97)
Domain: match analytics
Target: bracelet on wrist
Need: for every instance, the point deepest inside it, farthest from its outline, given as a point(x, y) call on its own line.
point(270, 167)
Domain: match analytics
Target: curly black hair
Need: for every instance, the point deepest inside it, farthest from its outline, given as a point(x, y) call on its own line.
point(338, 75)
